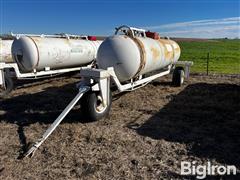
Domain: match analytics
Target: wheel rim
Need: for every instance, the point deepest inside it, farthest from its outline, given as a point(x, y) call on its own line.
point(99, 106)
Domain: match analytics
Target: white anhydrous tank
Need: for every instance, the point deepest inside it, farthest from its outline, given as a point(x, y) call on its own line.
point(136, 56)
point(5, 51)
point(38, 53)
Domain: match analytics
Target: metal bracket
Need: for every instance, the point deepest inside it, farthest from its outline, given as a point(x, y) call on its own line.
point(135, 84)
point(99, 80)
point(39, 74)
point(131, 31)
point(187, 65)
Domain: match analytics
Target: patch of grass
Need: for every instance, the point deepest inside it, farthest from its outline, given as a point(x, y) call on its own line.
point(224, 55)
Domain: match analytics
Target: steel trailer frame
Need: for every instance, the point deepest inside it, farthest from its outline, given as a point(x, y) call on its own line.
point(99, 80)
point(6, 70)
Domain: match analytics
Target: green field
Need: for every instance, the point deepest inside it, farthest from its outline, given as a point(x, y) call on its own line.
point(224, 55)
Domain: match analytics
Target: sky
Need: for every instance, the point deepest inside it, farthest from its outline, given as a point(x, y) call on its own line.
point(174, 18)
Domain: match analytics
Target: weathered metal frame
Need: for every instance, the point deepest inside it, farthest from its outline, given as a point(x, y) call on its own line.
point(134, 84)
point(99, 80)
point(33, 75)
point(131, 29)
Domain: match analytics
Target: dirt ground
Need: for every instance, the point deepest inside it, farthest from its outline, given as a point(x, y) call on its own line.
point(146, 136)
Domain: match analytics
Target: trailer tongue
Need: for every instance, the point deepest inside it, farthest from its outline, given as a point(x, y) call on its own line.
point(95, 90)
point(56, 122)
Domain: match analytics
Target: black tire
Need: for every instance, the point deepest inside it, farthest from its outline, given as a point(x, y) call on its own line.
point(8, 86)
point(89, 103)
point(178, 76)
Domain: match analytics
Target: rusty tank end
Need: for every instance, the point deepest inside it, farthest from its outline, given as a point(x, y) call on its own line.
point(5, 51)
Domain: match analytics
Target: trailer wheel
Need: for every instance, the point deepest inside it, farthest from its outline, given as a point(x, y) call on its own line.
point(178, 76)
point(7, 87)
point(92, 106)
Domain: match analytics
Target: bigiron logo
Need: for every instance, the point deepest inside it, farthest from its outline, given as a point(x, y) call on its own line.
point(201, 171)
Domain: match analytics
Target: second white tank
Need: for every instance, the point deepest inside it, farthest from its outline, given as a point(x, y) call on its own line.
point(38, 53)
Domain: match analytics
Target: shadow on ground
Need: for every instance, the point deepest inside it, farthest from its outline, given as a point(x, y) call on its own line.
point(42, 107)
point(203, 116)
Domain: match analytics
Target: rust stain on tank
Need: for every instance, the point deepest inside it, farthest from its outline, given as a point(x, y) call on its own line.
point(67, 41)
point(169, 55)
point(142, 54)
point(36, 39)
point(6, 59)
point(5, 55)
point(155, 53)
point(177, 50)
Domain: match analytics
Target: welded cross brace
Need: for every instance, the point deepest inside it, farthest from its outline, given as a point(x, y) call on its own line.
point(54, 125)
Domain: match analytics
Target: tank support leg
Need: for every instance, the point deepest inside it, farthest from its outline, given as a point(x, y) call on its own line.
point(104, 86)
point(187, 71)
point(186, 65)
point(54, 125)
